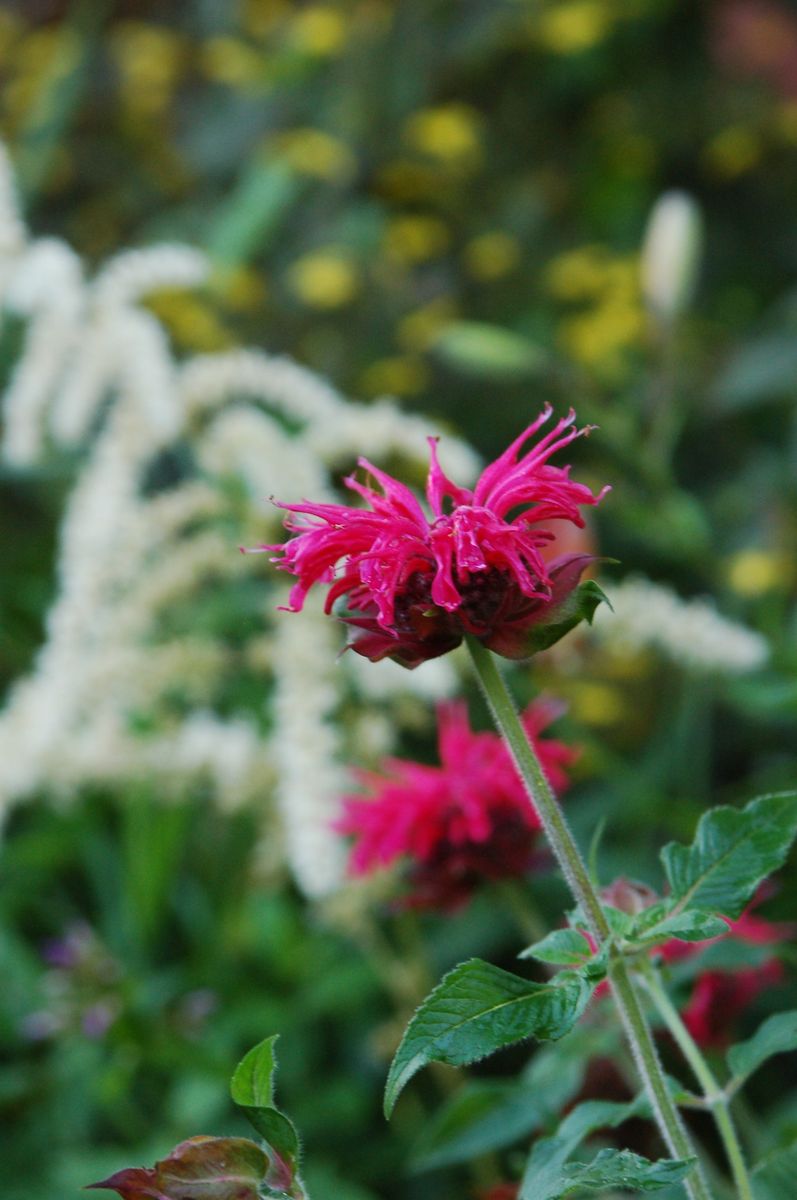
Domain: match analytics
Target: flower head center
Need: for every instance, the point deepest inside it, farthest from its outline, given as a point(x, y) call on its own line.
point(483, 596)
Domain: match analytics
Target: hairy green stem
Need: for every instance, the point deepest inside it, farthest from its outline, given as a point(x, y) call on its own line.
point(716, 1098)
point(569, 857)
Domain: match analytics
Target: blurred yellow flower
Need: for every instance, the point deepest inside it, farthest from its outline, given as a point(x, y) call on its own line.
point(240, 289)
point(415, 239)
point(611, 319)
point(734, 151)
point(233, 62)
point(10, 31)
point(39, 48)
point(577, 274)
point(374, 17)
point(450, 133)
point(324, 279)
point(597, 704)
point(755, 572)
point(313, 152)
point(620, 662)
point(491, 255)
point(41, 59)
point(401, 375)
point(95, 227)
point(785, 117)
point(149, 59)
point(621, 277)
point(418, 329)
point(599, 338)
point(405, 180)
point(190, 321)
point(260, 17)
point(571, 26)
point(319, 30)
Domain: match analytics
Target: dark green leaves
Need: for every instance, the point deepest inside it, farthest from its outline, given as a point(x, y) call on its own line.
point(475, 1010)
point(623, 1169)
point(203, 1168)
point(733, 851)
point(548, 1174)
point(773, 1178)
point(487, 1114)
point(252, 1089)
point(564, 947)
point(690, 925)
point(777, 1035)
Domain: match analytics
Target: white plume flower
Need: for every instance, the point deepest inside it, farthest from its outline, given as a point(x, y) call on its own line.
point(311, 780)
point(691, 633)
point(45, 287)
point(140, 552)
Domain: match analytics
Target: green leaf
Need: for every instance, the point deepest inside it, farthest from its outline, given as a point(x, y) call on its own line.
point(691, 925)
point(488, 351)
point(623, 1169)
point(544, 1176)
point(202, 1168)
point(773, 1177)
point(253, 213)
point(726, 954)
point(777, 1035)
point(564, 947)
point(578, 606)
point(761, 371)
point(620, 923)
point(252, 1089)
point(478, 1008)
point(252, 1084)
point(733, 851)
point(483, 1116)
point(489, 1114)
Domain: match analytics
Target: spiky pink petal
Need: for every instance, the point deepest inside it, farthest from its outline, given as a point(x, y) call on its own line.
point(459, 823)
point(478, 565)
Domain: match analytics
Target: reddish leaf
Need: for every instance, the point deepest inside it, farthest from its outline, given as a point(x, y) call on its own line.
point(202, 1168)
point(133, 1183)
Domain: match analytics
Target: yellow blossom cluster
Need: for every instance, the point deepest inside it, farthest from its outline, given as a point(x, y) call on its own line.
point(324, 279)
point(150, 61)
point(572, 26)
point(605, 321)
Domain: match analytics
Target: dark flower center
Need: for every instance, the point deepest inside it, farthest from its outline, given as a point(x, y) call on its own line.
point(414, 597)
point(483, 599)
point(452, 872)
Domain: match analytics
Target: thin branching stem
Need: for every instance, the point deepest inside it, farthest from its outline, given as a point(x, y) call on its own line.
point(568, 855)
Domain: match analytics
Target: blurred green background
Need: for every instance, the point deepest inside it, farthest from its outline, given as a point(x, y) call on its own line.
point(445, 202)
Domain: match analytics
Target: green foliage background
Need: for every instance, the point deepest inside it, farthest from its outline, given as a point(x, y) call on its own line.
point(372, 179)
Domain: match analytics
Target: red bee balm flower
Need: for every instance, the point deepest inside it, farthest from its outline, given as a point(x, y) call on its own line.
point(458, 824)
point(415, 585)
point(721, 996)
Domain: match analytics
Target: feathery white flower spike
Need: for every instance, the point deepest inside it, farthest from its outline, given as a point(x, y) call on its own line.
point(97, 375)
